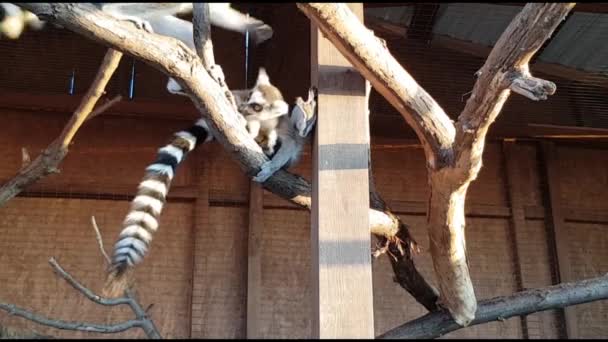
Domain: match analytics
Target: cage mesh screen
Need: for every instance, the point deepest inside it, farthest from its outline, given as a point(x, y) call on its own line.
point(440, 45)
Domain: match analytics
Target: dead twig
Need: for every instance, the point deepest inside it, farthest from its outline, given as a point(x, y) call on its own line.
point(141, 321)
point(100, 242)
point(141, 318)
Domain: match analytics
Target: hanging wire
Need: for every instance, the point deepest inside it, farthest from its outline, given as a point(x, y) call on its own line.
point(72, 82)
point(247, 56)
point(132, 81)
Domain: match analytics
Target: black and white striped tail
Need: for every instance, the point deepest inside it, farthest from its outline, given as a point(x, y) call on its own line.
point(142, 221)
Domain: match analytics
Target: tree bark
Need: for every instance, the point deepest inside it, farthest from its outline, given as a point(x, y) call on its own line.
point(523, 303)
point(453, 152)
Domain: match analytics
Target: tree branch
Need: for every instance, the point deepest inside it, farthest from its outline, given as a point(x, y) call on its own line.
point(372, 59)
point(523, 303)
point(176, 60)
point(508, 62)
point(453, 152)
point(65, 325)
point(202, 34)
point(48, 161)
point(141, 321)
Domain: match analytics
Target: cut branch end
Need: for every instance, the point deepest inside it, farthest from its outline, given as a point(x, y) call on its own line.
point(535, 89)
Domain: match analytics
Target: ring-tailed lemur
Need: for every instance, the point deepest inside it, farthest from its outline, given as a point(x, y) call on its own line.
point(262, 101)
point(292, 134)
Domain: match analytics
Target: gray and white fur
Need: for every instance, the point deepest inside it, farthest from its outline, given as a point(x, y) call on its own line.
point(160, 18)
point(142, 220)
point(293, 132)
point(14, 20)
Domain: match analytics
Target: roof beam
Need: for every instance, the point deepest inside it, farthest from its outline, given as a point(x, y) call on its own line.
point(580, 7)
point(553, 69)
point(423, 20)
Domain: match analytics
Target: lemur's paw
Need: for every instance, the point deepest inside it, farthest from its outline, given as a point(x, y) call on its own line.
point(141, 24)
point(260, 33)
point(264, 173)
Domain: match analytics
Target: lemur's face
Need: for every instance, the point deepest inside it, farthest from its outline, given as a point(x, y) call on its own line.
point(265, 100)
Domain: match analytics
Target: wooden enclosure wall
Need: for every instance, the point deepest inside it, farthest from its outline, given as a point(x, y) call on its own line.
point(196, 274)
point(197, 271)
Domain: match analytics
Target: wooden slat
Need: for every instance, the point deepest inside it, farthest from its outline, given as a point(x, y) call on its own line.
point(254, 261)
point(201, 224)
point(518, 217)
point(177, 109)
point(341, 258)
point(557, 221)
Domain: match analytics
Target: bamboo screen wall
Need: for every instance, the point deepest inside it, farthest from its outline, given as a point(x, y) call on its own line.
point(196, 275)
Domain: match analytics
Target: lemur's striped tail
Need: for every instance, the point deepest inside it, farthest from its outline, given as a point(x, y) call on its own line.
point(143, 218)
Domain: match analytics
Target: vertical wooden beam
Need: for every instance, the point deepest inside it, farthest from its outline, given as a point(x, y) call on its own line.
point(555, 217)
point(254, 261)
point(341, 256)
point(201, 223)
point(518, 218)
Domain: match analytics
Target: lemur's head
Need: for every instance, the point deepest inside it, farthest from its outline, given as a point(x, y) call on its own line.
point(264, 101)
point(303, 116)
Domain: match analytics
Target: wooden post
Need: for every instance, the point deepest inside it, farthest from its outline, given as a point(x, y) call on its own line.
point(341, 256)
point(556, 220)
point(254, 260)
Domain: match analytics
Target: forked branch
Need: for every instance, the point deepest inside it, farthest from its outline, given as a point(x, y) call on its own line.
point(453, 151)
point(141, 318)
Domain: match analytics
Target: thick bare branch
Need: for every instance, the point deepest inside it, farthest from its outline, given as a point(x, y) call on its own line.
point(453, 153)
point(522, 303)
point(48, 161)
point(506, 67)
point(373, 60)
point(176, 60)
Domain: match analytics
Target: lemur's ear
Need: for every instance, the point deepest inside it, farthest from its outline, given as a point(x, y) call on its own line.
point(263, 78)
